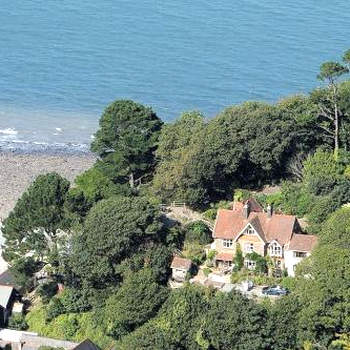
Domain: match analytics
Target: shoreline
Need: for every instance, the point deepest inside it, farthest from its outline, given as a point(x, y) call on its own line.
point(18, 168)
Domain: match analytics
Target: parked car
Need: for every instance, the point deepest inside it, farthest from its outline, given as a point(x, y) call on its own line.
point(275, 290)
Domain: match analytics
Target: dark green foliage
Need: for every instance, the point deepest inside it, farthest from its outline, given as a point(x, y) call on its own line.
point(126, 141)
point(283, 316)
point(135, 302)
point(234, 322)
point(47, 290)
point(23, 270)
point(18, 322)
point(54, 309)
point(260, 262)
point(114, 230)
point(37, 216)
point(74, 300)
point(324, 295)
point(198, 232)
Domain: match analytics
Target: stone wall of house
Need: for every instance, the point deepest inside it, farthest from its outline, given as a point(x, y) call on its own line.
point(259, 246)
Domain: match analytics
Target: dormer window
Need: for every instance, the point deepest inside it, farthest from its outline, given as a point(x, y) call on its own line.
point(249, 231)
point(275, 249)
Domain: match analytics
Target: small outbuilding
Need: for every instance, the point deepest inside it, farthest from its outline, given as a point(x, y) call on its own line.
point(7, 299)
point(180, 267)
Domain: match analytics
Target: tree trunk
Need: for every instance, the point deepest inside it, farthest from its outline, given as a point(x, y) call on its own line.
point(336, 122)
point(131, 180)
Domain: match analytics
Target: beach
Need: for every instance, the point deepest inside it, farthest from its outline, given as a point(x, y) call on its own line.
point(18, 170)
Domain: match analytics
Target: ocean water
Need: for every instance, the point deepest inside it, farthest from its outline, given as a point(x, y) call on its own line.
point(62, 62)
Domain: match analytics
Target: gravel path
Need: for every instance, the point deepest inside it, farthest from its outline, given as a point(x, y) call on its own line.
point(17, 171)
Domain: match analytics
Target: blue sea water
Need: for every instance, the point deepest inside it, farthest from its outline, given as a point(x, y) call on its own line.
point(62, 62)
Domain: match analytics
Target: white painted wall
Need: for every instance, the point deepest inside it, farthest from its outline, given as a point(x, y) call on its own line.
point(290, 261)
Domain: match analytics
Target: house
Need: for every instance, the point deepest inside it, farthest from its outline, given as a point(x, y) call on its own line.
point(7, 299)
point(86, 345)
point(248, 226)
point(180, 267)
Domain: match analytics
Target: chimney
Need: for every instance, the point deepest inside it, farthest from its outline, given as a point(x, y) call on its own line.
point(246, 210)
point(269, 210)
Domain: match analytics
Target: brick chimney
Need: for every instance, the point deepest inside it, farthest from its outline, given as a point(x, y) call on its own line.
point(246, 210)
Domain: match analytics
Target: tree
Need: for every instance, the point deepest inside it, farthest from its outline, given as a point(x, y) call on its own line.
point(134, 303)
point(33, 224)
point(178, 175)
point(325, 292)
point(322, 172)
point(126, 141)
point(114, 230)
point(329, 108)
point(283, 318)
point(23, 270)
point(234, 322)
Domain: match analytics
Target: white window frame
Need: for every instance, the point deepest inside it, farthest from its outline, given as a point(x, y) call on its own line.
point(250, 231)
point(227, 243)
point(298, 254)
point(249, 264)
point(248, 247)
point(275, 249)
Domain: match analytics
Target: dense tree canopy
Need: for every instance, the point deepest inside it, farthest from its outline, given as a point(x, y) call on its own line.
point(33, 224)
point(115, 229)
point(126, 141)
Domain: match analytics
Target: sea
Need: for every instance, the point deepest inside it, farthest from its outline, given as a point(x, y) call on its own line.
point(62, 61)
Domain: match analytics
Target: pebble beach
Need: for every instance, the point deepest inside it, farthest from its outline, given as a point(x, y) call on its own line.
point(18, 170)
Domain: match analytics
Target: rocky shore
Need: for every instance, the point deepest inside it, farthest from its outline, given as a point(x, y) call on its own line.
point(18, 170)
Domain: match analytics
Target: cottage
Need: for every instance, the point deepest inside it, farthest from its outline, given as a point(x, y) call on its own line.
point(180, 267)
point(248, 226)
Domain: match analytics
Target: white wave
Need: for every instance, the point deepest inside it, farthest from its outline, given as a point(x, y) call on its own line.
point(40, 143)
point(8, 131)
point(58, 129)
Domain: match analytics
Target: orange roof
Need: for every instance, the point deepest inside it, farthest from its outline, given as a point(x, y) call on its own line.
point(229, 224)
point(302, 242)
point(224, 257)
point(181, 263)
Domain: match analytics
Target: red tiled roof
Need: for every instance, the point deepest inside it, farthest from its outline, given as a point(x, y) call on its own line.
point(230, 223)
point(301, 242)
point(181, 263)
point(224, 257)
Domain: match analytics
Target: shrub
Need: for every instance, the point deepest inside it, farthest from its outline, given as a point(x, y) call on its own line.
point(206, 271)
point(260, 262)
point(47, 290)
point(54, 309)
point(199, 232)
point(238, 259)
point(74, 301)
point(17, 321)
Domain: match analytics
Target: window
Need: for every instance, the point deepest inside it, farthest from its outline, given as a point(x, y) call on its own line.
point(249, 247)
point(249, 264)
point(228, 243)
point(249, 231)
point(299, 254)
point(275, 249)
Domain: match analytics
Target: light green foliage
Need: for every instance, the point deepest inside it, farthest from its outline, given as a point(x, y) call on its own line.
point(134, 303)
point(74, 327)
point(238, 259)
point(210, 214)
point(126, 141)
point(38, 213)
point(321, 172)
